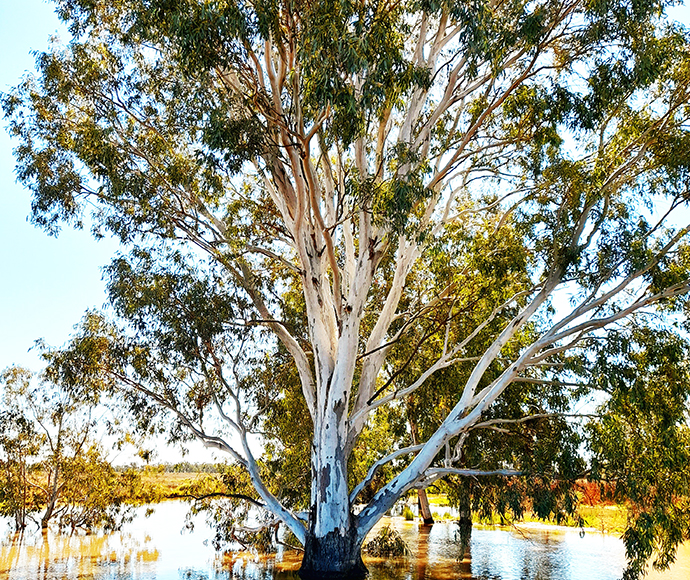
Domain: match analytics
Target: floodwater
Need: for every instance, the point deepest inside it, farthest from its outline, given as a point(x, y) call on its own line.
point(157, 548)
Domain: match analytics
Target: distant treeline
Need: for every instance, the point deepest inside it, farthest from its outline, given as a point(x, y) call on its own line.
point(181, 467)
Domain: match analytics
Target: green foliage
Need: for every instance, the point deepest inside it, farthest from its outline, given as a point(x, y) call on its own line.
point(288, 430)
point(342, 40)
point(398, 202)
point(51, 464)
point(642, 445)
point(141, 288)
point(94, 496)
point(545, 449)
point(285, 175)
point(373, 444)
point(387, 543)
point(19, 445)
point(228, 500)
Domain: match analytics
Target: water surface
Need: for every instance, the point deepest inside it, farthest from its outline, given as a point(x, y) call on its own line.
point(157, 548)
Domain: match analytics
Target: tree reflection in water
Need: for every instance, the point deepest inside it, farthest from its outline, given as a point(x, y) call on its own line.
point(506, 554)
point(53, 556)
point(155, 549)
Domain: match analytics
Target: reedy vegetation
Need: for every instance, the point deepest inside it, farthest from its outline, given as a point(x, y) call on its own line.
point(294, 169)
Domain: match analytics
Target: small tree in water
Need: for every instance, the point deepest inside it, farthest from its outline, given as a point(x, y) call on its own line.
point(18, 445)
point(52, 469)
point(380, 193)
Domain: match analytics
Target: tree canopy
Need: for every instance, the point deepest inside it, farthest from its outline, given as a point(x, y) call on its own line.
point(471, 212)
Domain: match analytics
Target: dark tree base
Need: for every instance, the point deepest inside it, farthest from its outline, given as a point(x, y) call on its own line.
point(333, 557)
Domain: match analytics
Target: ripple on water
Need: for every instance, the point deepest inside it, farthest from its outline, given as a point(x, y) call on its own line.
point(155, 548)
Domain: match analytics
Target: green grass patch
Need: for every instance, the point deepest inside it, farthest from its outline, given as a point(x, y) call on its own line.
point(606, 519)
point(440, 499)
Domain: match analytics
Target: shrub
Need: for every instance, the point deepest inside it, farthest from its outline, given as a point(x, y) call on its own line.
point(387, 543)
point(407, 514)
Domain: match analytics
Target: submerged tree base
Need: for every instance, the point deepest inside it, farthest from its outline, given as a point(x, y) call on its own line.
point(332, 557)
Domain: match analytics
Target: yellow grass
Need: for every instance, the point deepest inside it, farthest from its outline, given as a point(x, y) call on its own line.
point(607, 519)
point(168, 483)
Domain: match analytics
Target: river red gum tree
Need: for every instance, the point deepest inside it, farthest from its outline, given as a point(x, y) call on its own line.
point(310, 144)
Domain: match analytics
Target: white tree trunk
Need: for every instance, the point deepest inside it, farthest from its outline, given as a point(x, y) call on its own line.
point(332, 547)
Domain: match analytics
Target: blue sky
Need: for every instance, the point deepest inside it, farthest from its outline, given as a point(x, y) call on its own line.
point(46, 283)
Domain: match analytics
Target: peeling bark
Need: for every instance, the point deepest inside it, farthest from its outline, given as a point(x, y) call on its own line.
point(333, 556)
point(335, 243)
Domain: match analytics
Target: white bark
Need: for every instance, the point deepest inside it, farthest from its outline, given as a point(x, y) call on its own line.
point(337, 245)
point(337, 277)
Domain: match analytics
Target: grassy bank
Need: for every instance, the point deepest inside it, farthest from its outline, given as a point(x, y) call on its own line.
point(609, 519)
point(604, 518)
point(168, 484)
